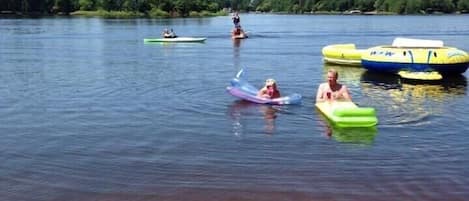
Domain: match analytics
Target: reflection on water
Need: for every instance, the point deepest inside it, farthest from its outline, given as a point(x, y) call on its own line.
point(237, 44)
point(402, 89)
point(411, 101)
point(354, 135)
point(236, 54)
point(269, 118)
point(242, 110)
point(448, 87)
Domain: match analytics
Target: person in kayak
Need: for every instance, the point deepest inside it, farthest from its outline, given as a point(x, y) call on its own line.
point(169, 34)
point(269, 90)
point(332, 90)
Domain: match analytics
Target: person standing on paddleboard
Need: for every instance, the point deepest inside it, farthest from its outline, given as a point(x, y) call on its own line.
point(236, 19)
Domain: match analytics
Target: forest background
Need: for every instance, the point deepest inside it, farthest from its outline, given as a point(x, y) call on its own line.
point(197, 8)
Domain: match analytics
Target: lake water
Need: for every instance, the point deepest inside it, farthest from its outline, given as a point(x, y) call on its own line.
point(90, 112)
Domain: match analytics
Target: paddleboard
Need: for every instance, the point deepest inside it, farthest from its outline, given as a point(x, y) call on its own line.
point(240, 36)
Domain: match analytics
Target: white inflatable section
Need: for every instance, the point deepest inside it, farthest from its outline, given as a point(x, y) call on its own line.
point(410, 42)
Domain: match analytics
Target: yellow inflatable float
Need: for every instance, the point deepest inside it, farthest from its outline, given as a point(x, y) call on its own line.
point(420, 75)
point(416, 55)
point(343, 54)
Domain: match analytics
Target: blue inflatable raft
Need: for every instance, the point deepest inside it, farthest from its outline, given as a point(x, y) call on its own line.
point(240, 88)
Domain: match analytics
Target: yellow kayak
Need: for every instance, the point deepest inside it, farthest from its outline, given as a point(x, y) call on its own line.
point(347, 114)
point(343, 54)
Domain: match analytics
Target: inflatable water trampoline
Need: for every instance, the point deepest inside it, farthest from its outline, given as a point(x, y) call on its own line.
point(415, 55)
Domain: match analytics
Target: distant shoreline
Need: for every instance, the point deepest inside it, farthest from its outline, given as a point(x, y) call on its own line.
point(114, 14)
point(357, 12)
point(162, 14)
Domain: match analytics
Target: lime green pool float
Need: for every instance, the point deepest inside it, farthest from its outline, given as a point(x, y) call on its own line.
point(348, 114)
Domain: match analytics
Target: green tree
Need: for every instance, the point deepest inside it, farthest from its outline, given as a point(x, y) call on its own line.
point(66, 6)
point(183, 7)
point(325, 5)
point(365, 5)
point(87, 5)
point(264, 6)
point(396, 6)
point(380, 5)
point(342, 5)
point(246, 5)
point(308, 6)
point(463, 6)
point(213, 7)
point(136, 5)
point(413, 6)
point(446, 6)
point(111, 5)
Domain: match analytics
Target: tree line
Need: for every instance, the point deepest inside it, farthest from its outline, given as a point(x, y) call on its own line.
point(391, 6)
point(176, 7)
point(185, 7)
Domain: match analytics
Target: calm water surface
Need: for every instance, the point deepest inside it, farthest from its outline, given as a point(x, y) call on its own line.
point(90, 112)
